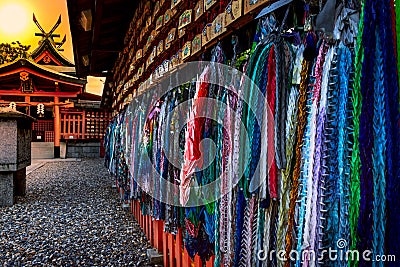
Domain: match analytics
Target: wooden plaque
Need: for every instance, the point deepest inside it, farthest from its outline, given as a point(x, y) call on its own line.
point(209, 4)
point(206, 34)
point(139, 54)
point(174, 3)
point(185, 19)
point(167, 16)
point(250, 5)
point(198, 9)
point(186, 50)
point(160, 47)
point(196, 44)
point(159, 22)
point(233, 11)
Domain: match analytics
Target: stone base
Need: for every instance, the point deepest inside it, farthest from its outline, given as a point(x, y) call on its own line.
point(20, 183)
point(6, 189)
point(154, 257)
point(12, 184)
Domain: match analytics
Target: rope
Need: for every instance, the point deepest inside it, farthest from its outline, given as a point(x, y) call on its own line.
point(296, 171)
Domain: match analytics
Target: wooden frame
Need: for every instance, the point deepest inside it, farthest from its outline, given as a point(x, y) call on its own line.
point(186, 50)
point(209, 4)
point(198, 9)
point(250, 5)
point(233, 12)
point(185, 18)
point(196, 44)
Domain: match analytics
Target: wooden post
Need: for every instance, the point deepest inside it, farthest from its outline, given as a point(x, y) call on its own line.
point(28, 108)
point(84, 125)
point(151, 231)
point(165, 249)
point(57, 128)
point(210, 262)
point(197, 261)
point(187, 261)
point(178, 248)
point(158, 235)
point(171, 249)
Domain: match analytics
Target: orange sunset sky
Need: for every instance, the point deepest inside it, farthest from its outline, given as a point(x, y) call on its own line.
point(16, 24)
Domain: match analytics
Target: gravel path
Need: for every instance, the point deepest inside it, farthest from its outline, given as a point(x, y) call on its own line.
point(71, 216)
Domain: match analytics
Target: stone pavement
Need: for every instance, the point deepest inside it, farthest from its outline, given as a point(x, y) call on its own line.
point(71, 216)
point(38, 163)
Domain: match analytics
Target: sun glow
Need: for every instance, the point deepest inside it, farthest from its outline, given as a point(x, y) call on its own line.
point(13, 19)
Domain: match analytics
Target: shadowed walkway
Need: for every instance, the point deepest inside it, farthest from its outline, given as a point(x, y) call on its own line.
point(71, 216)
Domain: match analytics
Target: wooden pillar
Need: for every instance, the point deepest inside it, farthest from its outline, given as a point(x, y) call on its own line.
point(165, 250)
point(28, 108)
point(210, 262)
point(171, 250)
point(186, 260)
point(158, 235)
point(57, 125)
point(178, 248)
point(197, 261)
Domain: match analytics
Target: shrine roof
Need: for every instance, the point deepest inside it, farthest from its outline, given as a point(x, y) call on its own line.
point(28, 65)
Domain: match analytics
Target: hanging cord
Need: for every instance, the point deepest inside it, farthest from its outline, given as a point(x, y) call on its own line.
point(379, 155)
point(355, 156)
point(296, 172)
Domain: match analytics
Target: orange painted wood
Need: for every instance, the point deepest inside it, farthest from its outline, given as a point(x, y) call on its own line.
point(50, 94)
point(151, 232)
point(197, 261)
point(147, 227)
point(178, 248)
point(143, 222)
point(186, 260)
point(171, 249)
point(165, 249)
point(210, 262)
point(137, 211)
point(18, 70)
point(158, 235)
point(57, 120)
point(83, 125)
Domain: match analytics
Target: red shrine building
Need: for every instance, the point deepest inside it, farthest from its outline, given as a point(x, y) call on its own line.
point(69, 120)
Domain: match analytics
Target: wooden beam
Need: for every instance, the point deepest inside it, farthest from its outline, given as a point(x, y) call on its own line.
point(98, 11)
point(57, 124)
point(18, 70)
point(51, 94)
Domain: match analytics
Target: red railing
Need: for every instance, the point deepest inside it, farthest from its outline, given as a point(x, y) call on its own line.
point(171, 246)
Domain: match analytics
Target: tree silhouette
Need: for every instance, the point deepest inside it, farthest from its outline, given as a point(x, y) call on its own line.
point(13, 51)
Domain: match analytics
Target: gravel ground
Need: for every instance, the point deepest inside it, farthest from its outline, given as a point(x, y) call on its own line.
point(71, 216)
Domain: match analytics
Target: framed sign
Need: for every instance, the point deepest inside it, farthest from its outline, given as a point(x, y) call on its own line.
point(250, 5)
point(196, 44)
point(185, 19)
point(209, 4)
point(186, 50)
point(181, 33)
point(160, 47)
point(159, 22)
point(198, 9)
point(139, 54)
point(156, 9)
point(233, 11)
point(171, 35)
point(174, 3)
point(167, 16)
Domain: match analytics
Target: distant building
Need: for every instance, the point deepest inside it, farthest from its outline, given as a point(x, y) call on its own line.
point(45, 87)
